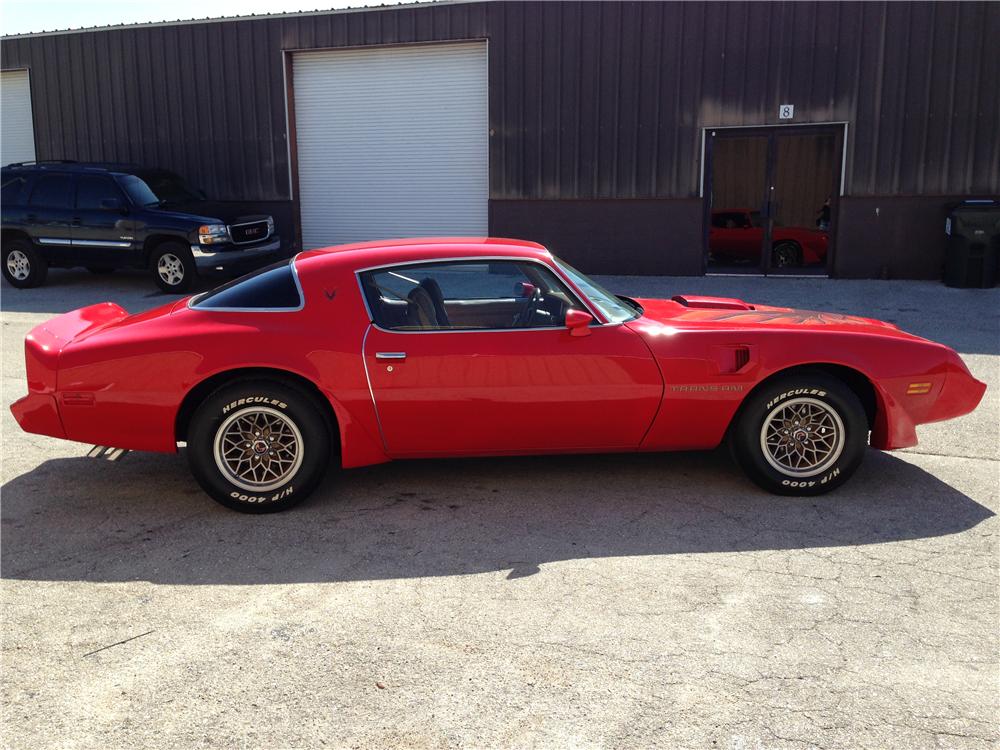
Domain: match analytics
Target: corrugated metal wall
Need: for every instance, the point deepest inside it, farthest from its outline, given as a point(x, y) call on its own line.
point(587, 100)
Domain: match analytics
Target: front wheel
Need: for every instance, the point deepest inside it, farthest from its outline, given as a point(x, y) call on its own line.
point(23, 265)
point(258, 446)
point(174, 267)
point(803, 434)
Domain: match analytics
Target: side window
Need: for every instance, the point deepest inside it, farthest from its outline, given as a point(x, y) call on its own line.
point(11, 190)
point(467, 295)
point(92, 190)
point(271, 288)
point(52, 191)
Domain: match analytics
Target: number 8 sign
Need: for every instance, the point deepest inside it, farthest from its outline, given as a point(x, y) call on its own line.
point(786, 111)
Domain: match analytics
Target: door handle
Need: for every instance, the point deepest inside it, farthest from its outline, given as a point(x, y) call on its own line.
point(76, 222)
point(32, 217)
point(390, 355)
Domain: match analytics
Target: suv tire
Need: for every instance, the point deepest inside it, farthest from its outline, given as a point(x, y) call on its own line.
point(23, 265)
point(173, 267)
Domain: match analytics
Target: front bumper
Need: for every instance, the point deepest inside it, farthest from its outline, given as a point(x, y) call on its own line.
point(207, 259)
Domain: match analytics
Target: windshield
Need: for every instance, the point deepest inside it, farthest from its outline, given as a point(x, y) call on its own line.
point(613, 308)
point(138, 191)
point(169, 187)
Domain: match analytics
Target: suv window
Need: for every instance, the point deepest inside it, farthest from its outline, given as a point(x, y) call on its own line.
point(467, 295)
point(271, 288)
point(92, 189)
point(11, 190)
point(729, 220)
point(53, 191)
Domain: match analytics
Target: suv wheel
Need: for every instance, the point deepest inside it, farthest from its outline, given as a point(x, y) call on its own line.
point(23, 266)
point(174, 267)
point(258, 446)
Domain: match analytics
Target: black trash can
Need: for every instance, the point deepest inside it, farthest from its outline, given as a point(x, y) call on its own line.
point(972, 255)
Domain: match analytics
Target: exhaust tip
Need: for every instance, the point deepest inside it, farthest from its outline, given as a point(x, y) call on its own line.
point(106, 452)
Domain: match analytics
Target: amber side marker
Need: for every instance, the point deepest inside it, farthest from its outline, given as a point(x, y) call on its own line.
point(918, 389)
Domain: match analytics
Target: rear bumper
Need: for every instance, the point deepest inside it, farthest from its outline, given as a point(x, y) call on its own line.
point(38, 413)
point(224, 260)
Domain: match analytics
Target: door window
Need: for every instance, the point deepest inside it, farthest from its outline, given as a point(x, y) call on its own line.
point(53, 191)
point(467, 295)
point(91, 190)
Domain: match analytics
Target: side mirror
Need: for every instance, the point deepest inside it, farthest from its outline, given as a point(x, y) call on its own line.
point(524, 289)
point(578, 322)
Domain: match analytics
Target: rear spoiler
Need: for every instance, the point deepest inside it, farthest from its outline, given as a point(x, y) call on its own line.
point(45, 342)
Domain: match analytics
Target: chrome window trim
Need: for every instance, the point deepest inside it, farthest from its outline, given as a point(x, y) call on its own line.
point(572, 288)
point(193, 301)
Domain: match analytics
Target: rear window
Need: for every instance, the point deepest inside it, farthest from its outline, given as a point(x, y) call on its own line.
point(11, 190)
point(53, 191)
point(271, 288)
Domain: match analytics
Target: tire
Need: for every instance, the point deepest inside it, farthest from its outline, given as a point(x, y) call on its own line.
point(173, 267)
point(262, 484)
point(100, 270)
point(23, 266)
point(786, 255)
point(800, 462)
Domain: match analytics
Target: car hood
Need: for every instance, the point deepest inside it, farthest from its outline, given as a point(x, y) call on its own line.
point(688, 311)
point(211, 211)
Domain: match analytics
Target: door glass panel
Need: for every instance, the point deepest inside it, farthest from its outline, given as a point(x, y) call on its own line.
point(739, 183)
point(805, 174)
point(474, 295)
point(53, 191)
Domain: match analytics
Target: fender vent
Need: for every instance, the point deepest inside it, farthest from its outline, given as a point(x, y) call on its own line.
point(742, 357)
point(731, 359)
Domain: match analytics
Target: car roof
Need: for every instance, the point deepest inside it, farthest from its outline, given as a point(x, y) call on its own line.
point(362, 255)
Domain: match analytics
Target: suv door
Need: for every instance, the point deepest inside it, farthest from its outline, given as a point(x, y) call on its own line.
point(49, 214)
point(101, 230)
point(474, 357)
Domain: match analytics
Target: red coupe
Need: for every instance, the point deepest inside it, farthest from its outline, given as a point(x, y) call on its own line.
point(738, 234)
point(468, 347)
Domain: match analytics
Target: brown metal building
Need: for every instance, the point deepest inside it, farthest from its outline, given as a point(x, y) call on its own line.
point(621, 134)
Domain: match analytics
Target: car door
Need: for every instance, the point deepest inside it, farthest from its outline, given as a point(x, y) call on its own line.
point(513, 380)
point(49, 214)
point(101, 231)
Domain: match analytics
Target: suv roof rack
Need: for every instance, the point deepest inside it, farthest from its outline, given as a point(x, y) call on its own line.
point(75, 166)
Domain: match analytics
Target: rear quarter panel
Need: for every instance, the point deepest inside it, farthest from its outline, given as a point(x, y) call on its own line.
point(137, 375)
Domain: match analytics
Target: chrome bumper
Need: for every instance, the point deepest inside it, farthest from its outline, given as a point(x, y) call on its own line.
point(219, 259)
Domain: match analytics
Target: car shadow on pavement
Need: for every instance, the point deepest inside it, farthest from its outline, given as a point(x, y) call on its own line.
point(78, 519)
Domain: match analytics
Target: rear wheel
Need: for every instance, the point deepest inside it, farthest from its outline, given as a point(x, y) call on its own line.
point(803, 434)
point(174, 267)
point(23, 265)
point(258, 446)
point(786, 255)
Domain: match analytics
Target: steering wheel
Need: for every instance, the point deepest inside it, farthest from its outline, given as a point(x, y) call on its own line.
point(529, 310)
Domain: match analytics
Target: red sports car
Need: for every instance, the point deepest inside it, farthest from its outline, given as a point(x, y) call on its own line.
point(738, 234)
point(469, 347)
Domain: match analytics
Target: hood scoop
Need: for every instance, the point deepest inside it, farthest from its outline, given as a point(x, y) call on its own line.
point(711, 303)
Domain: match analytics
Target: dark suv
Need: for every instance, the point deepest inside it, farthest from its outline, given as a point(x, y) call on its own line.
point(107, 216)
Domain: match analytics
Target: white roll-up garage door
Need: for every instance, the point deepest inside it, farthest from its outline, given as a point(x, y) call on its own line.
point(17, 137)
point(392, 142)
